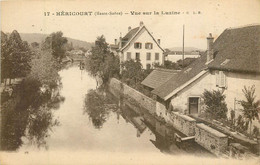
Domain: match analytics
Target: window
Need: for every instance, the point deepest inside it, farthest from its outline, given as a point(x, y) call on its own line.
point(128, 56)
point(148, 56)
point(148, 45)
point(148, 66)
point(138, 45)
point(137, 56)
point(220, 79)
point(156, 56)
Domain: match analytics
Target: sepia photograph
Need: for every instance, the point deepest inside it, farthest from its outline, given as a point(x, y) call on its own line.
point(130, 82)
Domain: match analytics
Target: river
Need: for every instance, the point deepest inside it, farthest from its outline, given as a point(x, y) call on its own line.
point(94, 120)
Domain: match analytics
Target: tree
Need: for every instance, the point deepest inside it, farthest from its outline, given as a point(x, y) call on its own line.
point(35, 45)
point(132, 72)
point(69, 46)
point(15, 56)
point(56, 43)
point(44, 69)
point(251, 107)
point(215, 104)
point(102, 63)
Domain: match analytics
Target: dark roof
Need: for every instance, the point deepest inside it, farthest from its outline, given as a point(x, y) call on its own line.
point(182, 77)
point(129, 35)
point(240, 46)
point(127, 38)
point(157, 77)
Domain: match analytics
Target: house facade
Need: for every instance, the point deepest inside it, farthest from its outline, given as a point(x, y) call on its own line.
point(175, 56)
point(139, 44)
point(229, 64)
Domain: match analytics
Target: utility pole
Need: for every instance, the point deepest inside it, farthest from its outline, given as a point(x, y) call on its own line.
point(183, 47)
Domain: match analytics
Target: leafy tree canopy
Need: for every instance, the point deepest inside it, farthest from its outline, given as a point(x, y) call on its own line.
point(15, 56)
point(56, 43)
point(101, 62)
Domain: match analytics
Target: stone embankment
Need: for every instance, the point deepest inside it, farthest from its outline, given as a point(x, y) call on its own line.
point(209, 138)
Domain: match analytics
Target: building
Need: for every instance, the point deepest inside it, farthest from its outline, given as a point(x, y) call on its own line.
point(229, 64)
point(175, 56)
point(139, 44)
point(158, 77)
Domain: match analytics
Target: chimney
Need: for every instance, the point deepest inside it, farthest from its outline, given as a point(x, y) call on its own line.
point(141, 23)
point(129, 28)
point(159, 41)
point(115, 41)
point(210, 40)
point(120, 42)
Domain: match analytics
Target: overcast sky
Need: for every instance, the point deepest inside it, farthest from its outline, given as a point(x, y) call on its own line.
point(215, 17)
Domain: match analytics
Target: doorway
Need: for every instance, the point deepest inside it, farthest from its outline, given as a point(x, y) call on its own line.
point(193, 105)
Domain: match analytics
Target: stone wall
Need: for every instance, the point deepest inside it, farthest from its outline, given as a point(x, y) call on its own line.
point(183, 123)
point(143, 100)
point(211, 139)
point(162, 112)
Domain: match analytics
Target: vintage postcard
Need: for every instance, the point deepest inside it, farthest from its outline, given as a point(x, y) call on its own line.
point(130, 82)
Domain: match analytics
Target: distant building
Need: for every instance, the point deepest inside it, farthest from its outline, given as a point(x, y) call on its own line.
point(175, 56)
point(229, 64)
point(139, 44)
point(76, 52)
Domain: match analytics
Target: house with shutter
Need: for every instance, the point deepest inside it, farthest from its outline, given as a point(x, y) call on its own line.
point(231, 62)
point(139, 44)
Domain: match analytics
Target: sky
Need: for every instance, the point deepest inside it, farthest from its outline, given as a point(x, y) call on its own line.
point(215, 16)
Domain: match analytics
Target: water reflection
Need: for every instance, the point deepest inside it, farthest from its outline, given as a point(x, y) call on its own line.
point(101, 102)
point(98, 106)
point(28, 112)
point(89, 120)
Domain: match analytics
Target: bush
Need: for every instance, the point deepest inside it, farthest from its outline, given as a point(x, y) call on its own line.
point(215, 103)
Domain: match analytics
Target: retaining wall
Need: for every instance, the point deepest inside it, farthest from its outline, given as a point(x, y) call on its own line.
point(183, 123)
point(143, 100)
point(211, 139)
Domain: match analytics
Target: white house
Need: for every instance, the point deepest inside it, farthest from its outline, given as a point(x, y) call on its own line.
point(175, 56)
point(139, 44)
point(229, 64)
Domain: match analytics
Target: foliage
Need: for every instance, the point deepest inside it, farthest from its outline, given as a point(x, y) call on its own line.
point(15, 56)
point(241, 125)
point(255, 132)
point(251, 107)
point(56, 43)
point(168, 65)
point(186, 62)
point(35, 45)
point(69, 46)
point(101, 62)
point(28, 108)
point(215, 103)
point(175, 65)
point(132, 74)
point(98, 106)
point(44, 69)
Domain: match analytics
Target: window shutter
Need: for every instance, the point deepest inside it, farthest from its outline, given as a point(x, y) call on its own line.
point(222, 79)
point(217, 78)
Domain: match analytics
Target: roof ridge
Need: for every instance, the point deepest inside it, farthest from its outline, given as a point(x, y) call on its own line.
point(243, 26)
point(167, 70)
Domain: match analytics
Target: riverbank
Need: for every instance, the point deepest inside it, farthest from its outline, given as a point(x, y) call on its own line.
point(213, 140)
